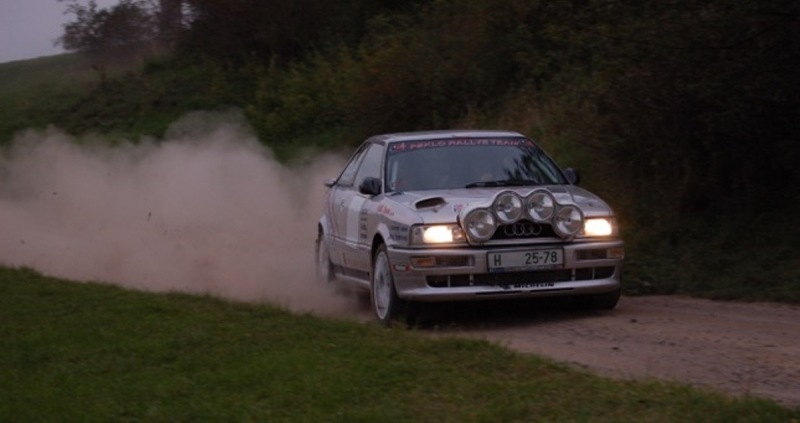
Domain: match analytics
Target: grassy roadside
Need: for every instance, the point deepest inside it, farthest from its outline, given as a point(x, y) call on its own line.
point(36, 93)
point(90, 352)
point(72, 94)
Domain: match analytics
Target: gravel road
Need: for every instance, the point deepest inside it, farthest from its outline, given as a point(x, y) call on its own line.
point(739, 348)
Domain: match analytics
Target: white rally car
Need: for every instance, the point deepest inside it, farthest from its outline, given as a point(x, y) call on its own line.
point(465, 215)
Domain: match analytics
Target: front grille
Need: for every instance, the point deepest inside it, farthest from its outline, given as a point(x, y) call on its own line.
point(513, 278)
point(523, 229)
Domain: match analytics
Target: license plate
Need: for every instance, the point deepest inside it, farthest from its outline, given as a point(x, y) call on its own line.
point(525, 260)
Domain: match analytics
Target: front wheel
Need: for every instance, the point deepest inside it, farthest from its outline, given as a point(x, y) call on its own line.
point(605, 301)
point(324, 266)
point(385, 302)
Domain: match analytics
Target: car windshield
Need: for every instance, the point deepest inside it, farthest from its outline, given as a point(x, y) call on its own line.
point(468, 163)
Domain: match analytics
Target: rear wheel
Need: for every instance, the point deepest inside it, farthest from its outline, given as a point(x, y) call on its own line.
point(385, 302)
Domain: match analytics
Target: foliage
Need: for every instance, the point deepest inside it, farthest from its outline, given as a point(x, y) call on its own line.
point(701, 96)
point(122, 30)
point(91, 352)
point(25, 84)
point(305, 97)
point(284, 29)
point(692, 117)
point(682, 114)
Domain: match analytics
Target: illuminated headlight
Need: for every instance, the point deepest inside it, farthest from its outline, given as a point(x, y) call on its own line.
point(480, 225)
point(540, 206)
point(507, 207)
point(602, 226)
point(568, 221)
point(436, 234)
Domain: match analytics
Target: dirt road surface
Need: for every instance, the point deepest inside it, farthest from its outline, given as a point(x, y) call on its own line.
point(738, 348)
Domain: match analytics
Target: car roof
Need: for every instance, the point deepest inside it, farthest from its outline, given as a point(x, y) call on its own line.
point(441, 134)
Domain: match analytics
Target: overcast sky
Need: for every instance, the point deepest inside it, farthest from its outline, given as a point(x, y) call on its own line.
point(28, 28)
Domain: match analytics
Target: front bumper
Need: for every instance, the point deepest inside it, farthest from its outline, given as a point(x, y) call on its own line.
point(463, 274)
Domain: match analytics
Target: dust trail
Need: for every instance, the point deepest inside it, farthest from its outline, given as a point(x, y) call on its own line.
point(208, 210)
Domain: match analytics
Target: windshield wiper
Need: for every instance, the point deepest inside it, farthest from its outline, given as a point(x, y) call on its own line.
point(503, 183)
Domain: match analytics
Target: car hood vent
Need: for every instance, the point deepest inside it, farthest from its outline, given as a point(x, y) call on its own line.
point(427, 203)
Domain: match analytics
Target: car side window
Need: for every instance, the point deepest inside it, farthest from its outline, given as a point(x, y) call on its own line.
point(349, 173)
point(371, 165)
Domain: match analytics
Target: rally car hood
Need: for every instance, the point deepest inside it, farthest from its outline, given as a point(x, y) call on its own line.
point(442, 206)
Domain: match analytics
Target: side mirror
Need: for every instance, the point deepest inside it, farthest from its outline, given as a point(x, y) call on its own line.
point(329, 182)
point(573, 177)
point(370, 186)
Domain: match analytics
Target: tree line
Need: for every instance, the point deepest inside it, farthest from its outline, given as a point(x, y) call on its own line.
point(683, 112)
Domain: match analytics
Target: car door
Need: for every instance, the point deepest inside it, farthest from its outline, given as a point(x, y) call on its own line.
point(340, 196)
point(362, 213)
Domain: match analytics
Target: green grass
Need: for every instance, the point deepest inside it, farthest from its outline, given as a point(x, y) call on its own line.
point(69, 92)
point(94, 352)
point(35, 93)
point(23, 76)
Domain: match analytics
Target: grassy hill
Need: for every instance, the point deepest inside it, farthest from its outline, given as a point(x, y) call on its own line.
point(37, 92)
point(723, 251)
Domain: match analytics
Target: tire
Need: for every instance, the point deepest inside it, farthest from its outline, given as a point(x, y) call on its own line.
point(324, 267)
point(384, 300)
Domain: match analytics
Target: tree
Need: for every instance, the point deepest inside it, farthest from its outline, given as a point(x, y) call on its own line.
point(170, 21)
point(128, 30)
point(131, 22)
point(278, 29)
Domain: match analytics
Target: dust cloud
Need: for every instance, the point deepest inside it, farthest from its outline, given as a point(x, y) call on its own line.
point(206, 210)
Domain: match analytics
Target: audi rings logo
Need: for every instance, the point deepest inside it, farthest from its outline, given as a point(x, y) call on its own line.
point(522, 229)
